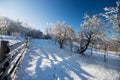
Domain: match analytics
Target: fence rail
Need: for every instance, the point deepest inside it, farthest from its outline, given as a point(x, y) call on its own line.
point(9, 65)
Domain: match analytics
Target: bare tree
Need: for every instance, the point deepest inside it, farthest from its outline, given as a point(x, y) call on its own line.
point(48, 31)
point(61, 33)
point(91, 30)
point(105, 49)
point(112, 15)
point(70, 36)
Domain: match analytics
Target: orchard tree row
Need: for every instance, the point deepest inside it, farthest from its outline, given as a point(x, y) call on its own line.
point(93, 32)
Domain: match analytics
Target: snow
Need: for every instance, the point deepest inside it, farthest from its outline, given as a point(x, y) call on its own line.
point(44, 61)
point(12, 40)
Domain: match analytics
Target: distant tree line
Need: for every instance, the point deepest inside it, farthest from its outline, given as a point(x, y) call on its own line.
point(11, 27)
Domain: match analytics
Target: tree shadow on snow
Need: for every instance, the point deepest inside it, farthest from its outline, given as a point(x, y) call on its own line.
point(61, 67)
point(60, 70)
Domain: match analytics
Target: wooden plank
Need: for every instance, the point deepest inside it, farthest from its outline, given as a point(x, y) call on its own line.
point(14, 61)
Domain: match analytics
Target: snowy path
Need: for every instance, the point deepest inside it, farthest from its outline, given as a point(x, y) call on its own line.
point(47, 62)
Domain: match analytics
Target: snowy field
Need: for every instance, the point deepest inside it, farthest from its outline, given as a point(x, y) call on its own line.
point(44, 61)
point(12, 40)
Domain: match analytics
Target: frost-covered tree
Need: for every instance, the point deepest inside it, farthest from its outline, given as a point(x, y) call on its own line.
point(61, 33)
point(11, 25)
point(15, 27)
point(48, 31)
point(112, 15)
point(4, 23)
point(70, 36)
point(91, 30)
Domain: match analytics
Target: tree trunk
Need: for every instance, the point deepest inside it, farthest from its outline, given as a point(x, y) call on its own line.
point(61, 43)
point(91, 51)
point(83, 49)
point(105, 54)
point(8, 33)
point(71, 47)
point(104, 57)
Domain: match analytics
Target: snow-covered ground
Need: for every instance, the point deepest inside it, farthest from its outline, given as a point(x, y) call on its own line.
point(12, 40)
point(44, 61)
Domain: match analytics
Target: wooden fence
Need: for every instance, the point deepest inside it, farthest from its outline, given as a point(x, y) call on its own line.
point(9, 65)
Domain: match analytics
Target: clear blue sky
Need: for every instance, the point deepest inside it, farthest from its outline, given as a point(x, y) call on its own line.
point(38, 12)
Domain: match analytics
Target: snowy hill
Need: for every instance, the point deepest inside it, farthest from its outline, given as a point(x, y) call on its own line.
point(45, 61)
